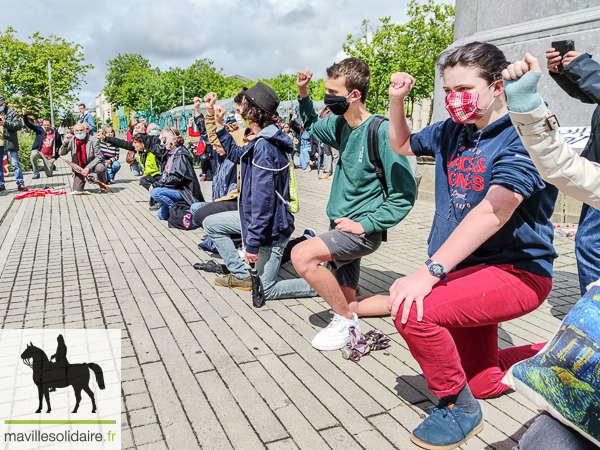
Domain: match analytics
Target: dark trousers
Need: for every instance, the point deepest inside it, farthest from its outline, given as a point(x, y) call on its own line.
point(147, 181)
point(206, 164)
point(79, 181)
point(214, 208)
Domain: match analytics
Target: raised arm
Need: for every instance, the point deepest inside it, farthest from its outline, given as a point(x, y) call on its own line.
point(399, 132)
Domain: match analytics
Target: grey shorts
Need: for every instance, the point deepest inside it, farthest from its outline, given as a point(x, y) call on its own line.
point(346, 251)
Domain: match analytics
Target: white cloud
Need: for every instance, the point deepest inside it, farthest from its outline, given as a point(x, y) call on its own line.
point(254, 38)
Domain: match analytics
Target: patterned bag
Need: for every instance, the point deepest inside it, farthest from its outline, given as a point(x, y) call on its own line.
point(564, 377)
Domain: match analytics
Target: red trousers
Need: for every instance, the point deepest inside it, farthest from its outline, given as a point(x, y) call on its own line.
point(457, 340)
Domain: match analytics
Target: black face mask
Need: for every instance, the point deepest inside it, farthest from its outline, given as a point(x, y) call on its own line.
point(338, 104)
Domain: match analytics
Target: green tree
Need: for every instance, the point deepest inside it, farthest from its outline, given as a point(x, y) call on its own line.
point(412, 47)
point(24, 67)
point(124, 81)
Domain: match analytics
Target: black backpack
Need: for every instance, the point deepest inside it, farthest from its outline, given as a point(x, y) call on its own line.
point(373, 148)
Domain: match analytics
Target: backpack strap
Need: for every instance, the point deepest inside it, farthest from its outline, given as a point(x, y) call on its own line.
point(339, 127)
point(375, 157)
point(373, 147)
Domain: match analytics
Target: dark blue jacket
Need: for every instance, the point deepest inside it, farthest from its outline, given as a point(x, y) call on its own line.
point(39, 136)
point(264, 165)
point(464, 171)
point(581, 80)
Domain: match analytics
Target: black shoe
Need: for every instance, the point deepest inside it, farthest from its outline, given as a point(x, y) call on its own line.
point(22, 188)
point(213, 267)
point(155, 207)
point(2, 188)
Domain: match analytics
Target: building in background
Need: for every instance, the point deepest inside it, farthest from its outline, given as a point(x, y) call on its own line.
point(103, 108)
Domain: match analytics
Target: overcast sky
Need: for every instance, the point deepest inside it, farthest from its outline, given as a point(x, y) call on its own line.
point(253, 38)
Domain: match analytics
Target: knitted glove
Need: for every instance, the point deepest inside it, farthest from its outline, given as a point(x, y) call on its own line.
point(522, 95)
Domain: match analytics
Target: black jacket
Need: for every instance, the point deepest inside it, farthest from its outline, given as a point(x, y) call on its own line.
point(581, 80)
point(150, 142)
point(39, 137)
point(181, 176)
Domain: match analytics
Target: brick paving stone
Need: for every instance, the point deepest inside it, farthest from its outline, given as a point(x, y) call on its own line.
point(201, 366)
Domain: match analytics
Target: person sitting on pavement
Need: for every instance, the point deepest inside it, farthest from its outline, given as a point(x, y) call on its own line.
point(263, 219)
point(575, 175)
point(359, 209)
point(178, 181)
point(45, 146)
point(110, 153)
point(85, 152)
point(490, 247)
point(10, 124)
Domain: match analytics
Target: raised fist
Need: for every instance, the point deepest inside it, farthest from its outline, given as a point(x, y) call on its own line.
point(304, 77)
point(400, 86)
point(210, 99)
point(219, 114)
point(517, 70)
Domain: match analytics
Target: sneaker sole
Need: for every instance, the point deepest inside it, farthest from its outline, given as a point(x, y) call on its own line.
point(234, 287)
point(478, 429)
point(329, 349)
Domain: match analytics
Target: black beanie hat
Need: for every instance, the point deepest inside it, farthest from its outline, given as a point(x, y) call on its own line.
point(263, 97)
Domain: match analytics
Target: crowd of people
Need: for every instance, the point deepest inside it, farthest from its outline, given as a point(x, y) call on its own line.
point(491, 251)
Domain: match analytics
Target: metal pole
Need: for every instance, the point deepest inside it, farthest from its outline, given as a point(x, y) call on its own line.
point(150, 103)
point(50, 89)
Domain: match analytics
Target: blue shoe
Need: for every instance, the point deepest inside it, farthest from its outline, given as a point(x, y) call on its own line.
point(35, 176)
point(447, 427)
point(309, 233)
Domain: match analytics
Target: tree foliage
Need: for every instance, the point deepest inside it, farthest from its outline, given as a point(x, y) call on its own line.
point(24, 68)
point(412, 47)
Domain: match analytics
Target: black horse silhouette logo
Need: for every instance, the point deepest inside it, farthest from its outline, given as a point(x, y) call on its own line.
point(48, 375)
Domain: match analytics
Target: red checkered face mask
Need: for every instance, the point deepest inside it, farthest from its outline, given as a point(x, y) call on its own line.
point(462, 106)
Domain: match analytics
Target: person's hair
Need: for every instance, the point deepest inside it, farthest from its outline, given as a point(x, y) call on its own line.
point(357, 74)
point(238, 98)
point(151, 126)
point(171, 130)
point(86, 125)
point(137, 138)
point(132, 123)
point(77, 125)
point(82, 104)
point(257, 115)
point(288, 125)
point(46, 119)
point(488, 59)
point(178, 141)
point(108, 128)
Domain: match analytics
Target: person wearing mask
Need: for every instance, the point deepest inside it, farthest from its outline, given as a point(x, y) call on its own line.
point(110, 153)
point(361, 206)
point(10, 124)
point(86, 117)
point(490, 247)
point(263, 220)
point(178, 181)
point(45, 147)
point(85, 152)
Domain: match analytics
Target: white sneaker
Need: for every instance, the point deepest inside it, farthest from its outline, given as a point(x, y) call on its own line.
point(337, 334)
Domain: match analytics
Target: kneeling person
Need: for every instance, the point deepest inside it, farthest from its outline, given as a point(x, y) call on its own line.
point(85, 151)
point(263, 220)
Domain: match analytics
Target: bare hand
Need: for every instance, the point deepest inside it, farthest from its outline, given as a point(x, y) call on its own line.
point(401, 84)
point(554, 59)
point(219, 115)
point(408, 290)
point(52, 160)
point(219, 150)
point(191, 121)
point(294, 117)
point(100, 136)
point(139, 128)
point(251, 257)
point(85, 172)
point(107, 163)
point(1, 122)
point(210, 99)
point(569, 57)
point(24, 110)
point(302, 80)
point(150, 188)
point(68, 137)
point(345, 224)
point(197, 103)
point(520, 68)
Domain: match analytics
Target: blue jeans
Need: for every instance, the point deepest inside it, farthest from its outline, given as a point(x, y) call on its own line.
point(587, 247)
point(112, 170)
point(166, 197)
point(13, 158)
point(220, 226)
point(137, 169)
point(547, 433)
point(304, 157)
point(196, 206)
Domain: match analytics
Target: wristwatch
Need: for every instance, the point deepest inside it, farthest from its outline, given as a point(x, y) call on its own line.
point(436, 269)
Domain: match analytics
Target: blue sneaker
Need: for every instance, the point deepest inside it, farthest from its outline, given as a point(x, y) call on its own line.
point(309, 233)
point(35, 176)
point(447, 427)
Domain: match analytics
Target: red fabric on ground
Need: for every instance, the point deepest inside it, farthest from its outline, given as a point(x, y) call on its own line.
point(38, 193)
point(457, 340)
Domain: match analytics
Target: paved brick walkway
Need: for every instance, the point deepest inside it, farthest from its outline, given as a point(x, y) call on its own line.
point(201, 367)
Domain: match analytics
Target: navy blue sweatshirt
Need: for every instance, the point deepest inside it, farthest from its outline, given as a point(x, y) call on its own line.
point(465, 170)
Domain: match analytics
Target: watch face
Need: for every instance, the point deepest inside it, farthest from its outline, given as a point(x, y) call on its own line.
point(437, 270)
